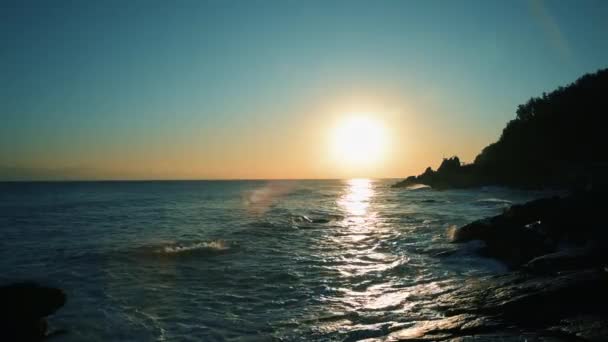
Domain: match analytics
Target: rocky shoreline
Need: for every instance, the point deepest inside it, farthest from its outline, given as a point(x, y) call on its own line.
point(25, 307)
point(555, 248)
point(556, 289)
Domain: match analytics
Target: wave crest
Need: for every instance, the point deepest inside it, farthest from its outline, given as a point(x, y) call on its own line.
point(174, 249)
point(216, 245)
point(451, 233)
point(418, 187)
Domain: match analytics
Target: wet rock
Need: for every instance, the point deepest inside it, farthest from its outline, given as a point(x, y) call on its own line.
point(567, 259)
point(507, 336)
point(558, 295)
point(518, 306)
point(441, 329)
point(540, 227)
point(450, 174)
point(24, 308)
point(531, 299)
point(514, 245)
point(586, 328)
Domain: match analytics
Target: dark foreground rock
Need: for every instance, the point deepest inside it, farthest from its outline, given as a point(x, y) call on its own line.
point(557, 289)
point(24, 309)
point(548, 234)
point(519, 306)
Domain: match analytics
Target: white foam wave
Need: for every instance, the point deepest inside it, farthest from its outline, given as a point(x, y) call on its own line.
point(451, 232)
point(418, 187)
point(216, 245)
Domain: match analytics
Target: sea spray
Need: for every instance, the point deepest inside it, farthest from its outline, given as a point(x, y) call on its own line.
point(259, 200)
point(451, 232)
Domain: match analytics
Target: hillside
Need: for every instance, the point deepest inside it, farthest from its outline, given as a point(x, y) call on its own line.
point(555, 140)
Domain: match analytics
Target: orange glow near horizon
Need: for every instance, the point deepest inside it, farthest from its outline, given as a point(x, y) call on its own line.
point(340, 138)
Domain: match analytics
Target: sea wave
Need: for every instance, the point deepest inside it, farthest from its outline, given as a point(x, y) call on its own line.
point(217, 245)
point(418, 187)
point(185, 248)
point(451, 232)
point(321, 219)
point(341, 262)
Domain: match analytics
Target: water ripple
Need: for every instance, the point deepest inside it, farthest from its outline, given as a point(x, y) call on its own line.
point(296, 261)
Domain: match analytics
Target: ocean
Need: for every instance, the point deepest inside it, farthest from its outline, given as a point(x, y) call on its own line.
point(309, 260)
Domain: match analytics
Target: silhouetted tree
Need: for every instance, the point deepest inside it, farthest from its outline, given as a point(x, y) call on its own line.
point(555, 139)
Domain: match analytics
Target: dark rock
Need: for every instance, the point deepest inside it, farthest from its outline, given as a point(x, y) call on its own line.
point(449, 165)
point(514, 245)
point(509, 336)
point(442, 329)
point(450, 174)
point(531, 299)
point(24, 308)
point(568, 307)
point(558, 295)
point(541, 227)
point(585, 328)
point(567, 259)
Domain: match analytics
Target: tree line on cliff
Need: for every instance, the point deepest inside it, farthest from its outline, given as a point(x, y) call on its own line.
point(555, 140)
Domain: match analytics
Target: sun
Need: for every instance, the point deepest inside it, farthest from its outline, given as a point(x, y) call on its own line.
point(359, 141)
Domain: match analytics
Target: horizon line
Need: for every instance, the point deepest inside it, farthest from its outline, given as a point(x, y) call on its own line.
point(187, 180)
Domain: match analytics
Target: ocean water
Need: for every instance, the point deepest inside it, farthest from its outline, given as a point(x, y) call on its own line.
point(329, 260)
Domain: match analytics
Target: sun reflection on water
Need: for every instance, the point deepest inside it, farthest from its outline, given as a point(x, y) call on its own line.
point(356, 201)
point(375, 282)
point(356, 255)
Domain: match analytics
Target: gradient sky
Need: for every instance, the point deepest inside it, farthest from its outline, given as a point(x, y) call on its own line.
point(251, 89)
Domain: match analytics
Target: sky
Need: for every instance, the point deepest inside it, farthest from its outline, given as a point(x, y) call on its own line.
point(255, 89)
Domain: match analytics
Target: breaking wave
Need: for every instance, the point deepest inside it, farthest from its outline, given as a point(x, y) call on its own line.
point(418, 187)
point(217, 245)
point(169, 249)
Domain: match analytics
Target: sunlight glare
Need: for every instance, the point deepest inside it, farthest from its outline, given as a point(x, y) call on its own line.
point(357, 198)
point(359, 141)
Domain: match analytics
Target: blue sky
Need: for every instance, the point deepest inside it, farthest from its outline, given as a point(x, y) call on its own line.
point(123, 89)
